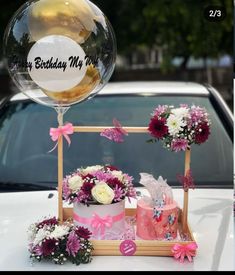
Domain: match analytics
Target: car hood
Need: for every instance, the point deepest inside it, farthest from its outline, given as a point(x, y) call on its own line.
point(210, 218)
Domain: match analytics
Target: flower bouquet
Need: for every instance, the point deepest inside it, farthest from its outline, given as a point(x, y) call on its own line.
point(59, 243)
point(181, 127)
point(98, 195)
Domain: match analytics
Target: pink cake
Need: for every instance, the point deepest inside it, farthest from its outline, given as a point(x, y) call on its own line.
point(156, 223)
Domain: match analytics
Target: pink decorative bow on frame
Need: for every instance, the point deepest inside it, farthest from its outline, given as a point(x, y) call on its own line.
point(64, 131)
point(99, 223)
point(181, 251)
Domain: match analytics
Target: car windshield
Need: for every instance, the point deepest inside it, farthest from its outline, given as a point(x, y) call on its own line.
point(25, 142)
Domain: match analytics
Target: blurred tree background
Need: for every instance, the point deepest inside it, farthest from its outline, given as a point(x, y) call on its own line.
point(178, 26)
point(165, 40)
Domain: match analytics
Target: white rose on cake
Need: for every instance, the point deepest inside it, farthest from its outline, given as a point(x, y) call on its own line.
point(75, 183)
point(102, 193)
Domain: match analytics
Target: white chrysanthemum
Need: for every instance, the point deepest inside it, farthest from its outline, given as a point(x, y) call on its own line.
point(174, 124)
point(181, 112)
point(91, 169)
point(75, 183)
point(41, 235)
point(118, 174)
point(59, 232)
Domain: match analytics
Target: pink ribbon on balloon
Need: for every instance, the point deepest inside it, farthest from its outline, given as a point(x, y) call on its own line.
point(64, 131)
point(180, 251)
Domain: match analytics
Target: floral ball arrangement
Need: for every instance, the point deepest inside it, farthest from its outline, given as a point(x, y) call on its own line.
point(181, 127)
point(98, 185)
point(59, 243)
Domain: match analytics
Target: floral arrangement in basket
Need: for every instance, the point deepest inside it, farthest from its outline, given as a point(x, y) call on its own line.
point(59, 243)
point(178, 128)
point(98, 185)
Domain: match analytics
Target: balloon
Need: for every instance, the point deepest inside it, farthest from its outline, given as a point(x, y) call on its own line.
point(59, 52)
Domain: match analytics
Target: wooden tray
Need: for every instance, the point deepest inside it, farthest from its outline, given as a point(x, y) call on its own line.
point(144, 247)
point(112, 247)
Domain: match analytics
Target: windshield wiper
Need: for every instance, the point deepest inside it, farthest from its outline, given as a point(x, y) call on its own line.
point(18, 186)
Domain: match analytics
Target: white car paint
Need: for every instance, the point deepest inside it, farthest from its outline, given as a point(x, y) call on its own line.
point(210, 217)
point(142, 87)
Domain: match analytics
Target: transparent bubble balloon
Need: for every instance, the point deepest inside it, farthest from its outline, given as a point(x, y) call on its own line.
point(59, 52)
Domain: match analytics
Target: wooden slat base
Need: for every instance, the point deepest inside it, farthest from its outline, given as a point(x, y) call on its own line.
point(144, 247)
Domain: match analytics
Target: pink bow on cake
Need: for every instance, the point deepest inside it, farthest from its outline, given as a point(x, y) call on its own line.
point(181, 251)
point(64, 131)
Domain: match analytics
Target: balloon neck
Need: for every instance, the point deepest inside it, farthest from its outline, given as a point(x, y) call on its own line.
point(60, 114)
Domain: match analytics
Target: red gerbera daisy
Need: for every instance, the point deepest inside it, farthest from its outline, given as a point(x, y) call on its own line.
point(83, 232)
point(114, 182)
point(86, 188)
point(48, 246)
point(157, 127)
point(202, 133)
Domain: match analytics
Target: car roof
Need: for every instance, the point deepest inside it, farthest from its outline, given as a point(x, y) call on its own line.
point(145, 88)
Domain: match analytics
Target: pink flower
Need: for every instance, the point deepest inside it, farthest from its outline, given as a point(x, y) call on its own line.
point(197, 114)
point(66, 190)
point(159, 110)
point(73, 244)
point(119, 194)
point(179, 144)
point(101, 176)
point(37, 250)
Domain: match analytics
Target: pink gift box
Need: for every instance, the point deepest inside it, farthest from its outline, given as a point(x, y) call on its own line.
point(104, 221)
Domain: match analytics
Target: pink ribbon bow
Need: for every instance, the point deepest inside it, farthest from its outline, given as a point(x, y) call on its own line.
point(181, 251)
point(99, 223)
point(64, 131)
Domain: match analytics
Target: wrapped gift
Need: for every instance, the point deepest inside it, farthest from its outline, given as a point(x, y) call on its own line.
point(104, 221)
point(157, 215)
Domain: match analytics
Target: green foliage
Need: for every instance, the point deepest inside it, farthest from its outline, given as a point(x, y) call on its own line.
point(178, 26)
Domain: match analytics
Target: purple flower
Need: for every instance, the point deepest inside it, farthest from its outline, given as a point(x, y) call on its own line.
point(197, 114)
point(82, 197)
point(73, 244)
point(66, 190)
point(119, 194)
point(37, 250)
point(48, 246)
point(159, 110)
point(179, 144)
point(101, 176)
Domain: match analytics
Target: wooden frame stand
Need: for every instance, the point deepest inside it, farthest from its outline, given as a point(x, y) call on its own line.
point(144, 247)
